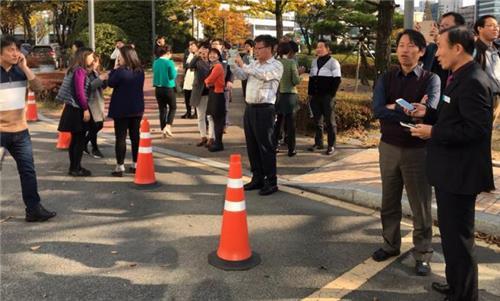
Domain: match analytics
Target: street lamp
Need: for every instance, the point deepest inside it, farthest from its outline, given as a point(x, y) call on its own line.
point(224, 7)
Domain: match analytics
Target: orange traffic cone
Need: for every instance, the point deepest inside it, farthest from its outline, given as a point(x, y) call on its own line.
point(145, 170)
point(64, 140)
point(234, 253)
point(31, 112)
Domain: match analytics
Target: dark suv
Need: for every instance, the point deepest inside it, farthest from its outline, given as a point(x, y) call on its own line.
point(46, 55)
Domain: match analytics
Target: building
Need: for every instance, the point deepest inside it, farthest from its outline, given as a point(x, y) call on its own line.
point(448, 6)
point(267, 24)
point(469, 14)
point(488, 7)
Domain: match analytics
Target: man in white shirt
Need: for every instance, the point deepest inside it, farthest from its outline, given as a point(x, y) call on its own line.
point(263, 77)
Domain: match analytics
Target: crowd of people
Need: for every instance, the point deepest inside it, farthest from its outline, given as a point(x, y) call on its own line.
point(441, 138)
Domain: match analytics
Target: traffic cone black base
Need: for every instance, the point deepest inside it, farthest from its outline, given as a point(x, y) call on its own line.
point(226, 265)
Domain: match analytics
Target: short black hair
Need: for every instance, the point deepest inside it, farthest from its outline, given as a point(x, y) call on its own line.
point(327, 45)
point(250, 43)
point(162, 50)
point(284, 48)
point(458, 18)
point(460, 35)
point(416, 37)
point(78, 44)
point(118, 40)
point(268, 40)
point(8, 40)
point(295, 46)
point(218, 40)
point(227, 45)
point(481, 21)
point(204, 44)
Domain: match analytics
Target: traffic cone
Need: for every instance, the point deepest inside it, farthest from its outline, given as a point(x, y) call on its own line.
point(234, 253)
point(31, 112)
point(145, 169)
point(63, 140)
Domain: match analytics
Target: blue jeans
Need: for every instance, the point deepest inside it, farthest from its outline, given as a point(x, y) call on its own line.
point(19, 146)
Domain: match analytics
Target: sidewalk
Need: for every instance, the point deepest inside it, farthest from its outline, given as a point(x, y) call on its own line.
point(356, 179)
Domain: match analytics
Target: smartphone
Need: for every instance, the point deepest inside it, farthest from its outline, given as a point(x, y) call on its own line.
point(407, 125)
point(405, 104)
point(233, 53)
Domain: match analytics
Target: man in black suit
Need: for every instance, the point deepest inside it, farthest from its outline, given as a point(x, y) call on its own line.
point(458, 157)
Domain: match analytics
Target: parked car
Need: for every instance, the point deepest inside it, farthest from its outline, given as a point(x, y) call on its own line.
point(46, 55)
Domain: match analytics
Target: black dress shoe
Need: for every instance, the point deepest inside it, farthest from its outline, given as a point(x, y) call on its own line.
point(254, 184)
point(215, 148)
point(131, 170)
point(118, 174)
point(39, 214)
point(381, 254)
point(422, 268)
point(329, 151)
point(292, 153)
point(268, 189)
point(82, 172)
point(442, 288)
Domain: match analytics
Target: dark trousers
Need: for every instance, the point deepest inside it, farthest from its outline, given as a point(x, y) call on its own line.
point(219, 124)
point(75, 150)
point(323, 109)
point(19, 146)
point(94, 128)
point(187, 99)
point(258, 122)
point(244, 87)
point(288, 121)
point(166, 104)
point(405, 167)
point(456, 224)
point(122, 125)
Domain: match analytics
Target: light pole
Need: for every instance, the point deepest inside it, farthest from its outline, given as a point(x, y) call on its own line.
point(91, 25)
point(153, 29)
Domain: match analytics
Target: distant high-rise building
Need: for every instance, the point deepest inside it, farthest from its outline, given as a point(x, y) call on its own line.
point(469, 14)
point(435, 11)
point(488, 7)
point(446, 6)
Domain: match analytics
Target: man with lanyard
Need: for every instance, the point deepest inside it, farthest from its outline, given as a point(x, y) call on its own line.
point(14, 134)
point(263, 77)
point(324, 81)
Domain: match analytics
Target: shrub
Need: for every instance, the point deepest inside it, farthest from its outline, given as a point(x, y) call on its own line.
point(105, 37)
point(353, 111)
point(51, 83)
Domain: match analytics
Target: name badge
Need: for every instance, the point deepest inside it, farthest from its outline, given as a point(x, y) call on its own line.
point(446, 99)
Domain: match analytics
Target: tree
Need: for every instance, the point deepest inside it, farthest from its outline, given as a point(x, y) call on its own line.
point(25, 9)
point(306, 16)
point(384, 28)
point(10, 17)
point(274, 7)
point(65, 15)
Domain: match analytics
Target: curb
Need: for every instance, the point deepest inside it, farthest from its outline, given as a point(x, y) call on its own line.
point(484, 222)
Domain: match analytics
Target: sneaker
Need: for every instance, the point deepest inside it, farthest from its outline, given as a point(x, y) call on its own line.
point(86, 150)
point(381, 255)
point(168, 130)
point(422, 268)
point(96, 153)
point(186, 116)
point(329, 151)
point(38, 214)
point(292, 153)
point(131, 169)
point(215, 148)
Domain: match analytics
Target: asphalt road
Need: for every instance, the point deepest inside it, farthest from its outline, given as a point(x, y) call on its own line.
point(112, 241)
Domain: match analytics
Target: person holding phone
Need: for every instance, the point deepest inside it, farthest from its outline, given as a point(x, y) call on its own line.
point(16, 76)
point(402, 157)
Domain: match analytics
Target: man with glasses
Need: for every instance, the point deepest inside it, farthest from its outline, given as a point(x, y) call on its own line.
point(430, 62)
point(263, 75)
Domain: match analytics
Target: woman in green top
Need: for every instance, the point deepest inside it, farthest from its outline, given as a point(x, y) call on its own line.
point(287, 99)
point(164, 74)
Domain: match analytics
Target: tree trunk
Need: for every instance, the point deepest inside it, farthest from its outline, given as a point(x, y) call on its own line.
point(384, 28)
point(25, 13)
point(278, 11)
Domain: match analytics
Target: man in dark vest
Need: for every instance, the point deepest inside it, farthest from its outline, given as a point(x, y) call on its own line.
point(402, 157)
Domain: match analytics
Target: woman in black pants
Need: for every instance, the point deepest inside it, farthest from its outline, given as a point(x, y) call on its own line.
point(76, 116)
point(127, 105)
point(216, 106)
